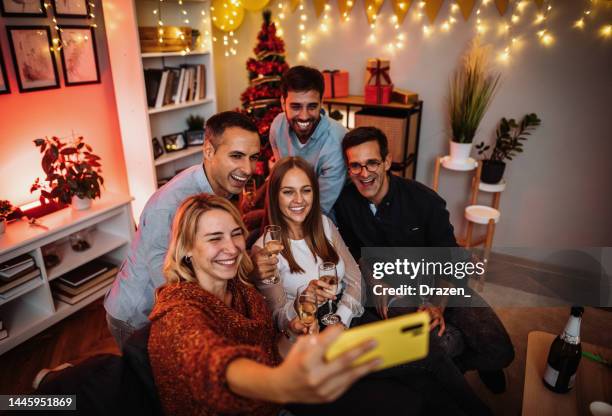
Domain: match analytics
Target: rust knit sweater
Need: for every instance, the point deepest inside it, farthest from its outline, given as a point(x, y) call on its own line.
point(194, 336)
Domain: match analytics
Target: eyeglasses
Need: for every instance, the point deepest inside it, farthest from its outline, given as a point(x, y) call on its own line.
point(371, 166)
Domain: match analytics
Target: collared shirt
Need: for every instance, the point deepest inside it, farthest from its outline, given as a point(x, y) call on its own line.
point(132, 294)
point(410, 215)
point(323, 151)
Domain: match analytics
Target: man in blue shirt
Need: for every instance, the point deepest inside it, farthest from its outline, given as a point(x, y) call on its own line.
point(301, 130)
point(231, 149)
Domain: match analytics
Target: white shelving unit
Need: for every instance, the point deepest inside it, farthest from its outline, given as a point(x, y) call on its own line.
point(140, 124)
point(33, 309)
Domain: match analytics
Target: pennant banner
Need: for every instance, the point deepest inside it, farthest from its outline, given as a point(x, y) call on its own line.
point(400, 8)
point(319, 6)
point(502, 6)
point(432, 8)
point(466, 7)
point(345, 7)
point(372, 7)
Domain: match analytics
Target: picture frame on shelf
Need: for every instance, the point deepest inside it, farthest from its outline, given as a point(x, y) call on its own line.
point(72, 9)
point(79, 55)
point(5, 88)
point(15, 8)
point(174, 142)
point(158, 150)
point(194, 137)
point(33, 58)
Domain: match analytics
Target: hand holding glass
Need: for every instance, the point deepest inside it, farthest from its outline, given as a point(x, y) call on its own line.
point(306, 297)
point(328, 274)
point(273, 245)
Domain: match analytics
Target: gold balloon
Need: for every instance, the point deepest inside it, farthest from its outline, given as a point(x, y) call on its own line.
point(227, 15)
point(255, 5)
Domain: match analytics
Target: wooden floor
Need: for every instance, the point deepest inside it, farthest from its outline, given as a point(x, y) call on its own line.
point(79, 336)
point(84, 334)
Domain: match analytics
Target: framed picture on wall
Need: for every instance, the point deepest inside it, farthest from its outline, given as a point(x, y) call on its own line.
point(4, 82)
point(79, 55)
point(71, 8)
point(34, 62)
point(23, 8)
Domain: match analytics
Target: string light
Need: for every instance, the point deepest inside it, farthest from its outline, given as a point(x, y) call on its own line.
point(606, 31)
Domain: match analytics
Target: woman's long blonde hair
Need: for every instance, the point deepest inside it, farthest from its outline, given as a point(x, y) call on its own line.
point(184, 229)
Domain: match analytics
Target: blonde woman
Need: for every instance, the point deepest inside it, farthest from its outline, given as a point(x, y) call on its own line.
point(213, 344)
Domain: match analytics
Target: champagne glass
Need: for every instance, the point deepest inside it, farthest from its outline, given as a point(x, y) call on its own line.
point(328, 274)
point(248, 192)
point(306, 305)
point(273, 245)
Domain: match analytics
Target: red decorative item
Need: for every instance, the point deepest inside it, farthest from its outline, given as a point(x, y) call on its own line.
point(378, 86)
point(336, 83)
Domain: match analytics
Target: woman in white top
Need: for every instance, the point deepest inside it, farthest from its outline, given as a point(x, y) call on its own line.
point(309, 238)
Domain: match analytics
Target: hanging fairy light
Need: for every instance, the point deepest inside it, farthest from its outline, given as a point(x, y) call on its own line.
point(546, 38)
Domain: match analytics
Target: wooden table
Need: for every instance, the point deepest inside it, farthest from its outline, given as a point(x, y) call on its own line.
point(593, 381)
point(407, 110)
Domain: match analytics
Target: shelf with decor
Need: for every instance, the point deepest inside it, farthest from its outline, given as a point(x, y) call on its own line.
point(147, 112)
point(146, 55)
point(172, 107)
point(179, 154)
point(46, 252)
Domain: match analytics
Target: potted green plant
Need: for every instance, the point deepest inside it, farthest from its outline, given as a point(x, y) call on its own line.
point(472, 88)
point(194, 135)
point(73, 172)
point(6, 208)
point(508, 143)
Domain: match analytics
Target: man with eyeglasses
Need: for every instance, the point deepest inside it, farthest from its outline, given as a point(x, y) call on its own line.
point(378, 209)
point(301, 130)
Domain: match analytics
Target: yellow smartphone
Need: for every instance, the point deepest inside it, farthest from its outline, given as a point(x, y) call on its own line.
point(400, 340)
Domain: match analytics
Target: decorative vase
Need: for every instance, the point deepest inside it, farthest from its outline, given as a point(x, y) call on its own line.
point(2, 225)
point(460, 152)
point(80, 204)
point(492, 171)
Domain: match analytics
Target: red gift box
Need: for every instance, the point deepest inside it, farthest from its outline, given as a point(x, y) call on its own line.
point(378, 86)
point(336, 83)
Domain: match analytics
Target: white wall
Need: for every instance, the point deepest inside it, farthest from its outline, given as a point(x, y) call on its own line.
point(560, 190)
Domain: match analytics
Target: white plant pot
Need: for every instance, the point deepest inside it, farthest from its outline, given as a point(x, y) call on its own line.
point(2, 225)
point(460, 152)
point(80, 204)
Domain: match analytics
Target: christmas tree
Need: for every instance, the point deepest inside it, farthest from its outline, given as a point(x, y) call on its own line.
point(261, 100)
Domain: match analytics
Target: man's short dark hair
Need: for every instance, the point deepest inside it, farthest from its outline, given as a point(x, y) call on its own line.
point(217, 124)
point(362, 135)
point(301, 79)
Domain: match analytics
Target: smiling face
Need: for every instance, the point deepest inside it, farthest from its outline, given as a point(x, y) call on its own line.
point(218, 247)
point(303, 112)
point(295, 199)
point(371, 185)
point(230, 165)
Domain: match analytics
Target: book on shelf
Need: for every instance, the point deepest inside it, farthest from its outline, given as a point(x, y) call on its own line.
point(86, 272)
point(177, 85)
point(72, 299)
point(152, 80)
point(23, 272)
point(3, 334)
point(159, 99)
point(79, 289)
point(6, 290)
point(10, 268)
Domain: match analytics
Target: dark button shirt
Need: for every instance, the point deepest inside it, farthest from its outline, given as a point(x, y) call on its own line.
point(410, 215)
